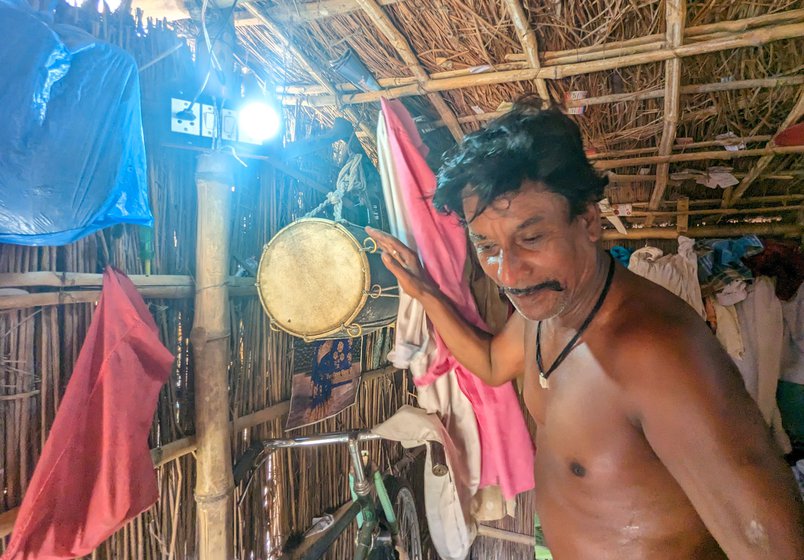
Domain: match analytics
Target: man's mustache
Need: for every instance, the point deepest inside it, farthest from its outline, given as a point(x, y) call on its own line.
point(553, 285)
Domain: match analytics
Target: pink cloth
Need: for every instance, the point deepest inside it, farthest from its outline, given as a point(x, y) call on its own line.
point(506, 447)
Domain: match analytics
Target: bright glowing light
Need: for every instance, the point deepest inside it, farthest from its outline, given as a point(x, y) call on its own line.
point(258, 122)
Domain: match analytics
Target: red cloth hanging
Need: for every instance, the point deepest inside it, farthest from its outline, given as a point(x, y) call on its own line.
point(96, 473)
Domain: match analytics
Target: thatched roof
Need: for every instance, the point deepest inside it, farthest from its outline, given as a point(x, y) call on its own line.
point(661, 85)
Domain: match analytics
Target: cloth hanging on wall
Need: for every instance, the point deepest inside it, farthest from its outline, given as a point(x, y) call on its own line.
point(506, 447)
point(677, 273)
point(761, 327)
point(783, 261)
point(95, 472)
point(720, 261)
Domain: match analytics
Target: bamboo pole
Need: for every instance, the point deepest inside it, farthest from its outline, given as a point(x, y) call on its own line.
point(239, 287)
point(764, 161)
point(617, 178)
point(209, 339)
point(691, 34)
point(772, 229)
point(680, 211)
point(400, 43)
point(527, 38)
point(683, 147)
point(695, 156)
point(751, 38)
point(675, 16)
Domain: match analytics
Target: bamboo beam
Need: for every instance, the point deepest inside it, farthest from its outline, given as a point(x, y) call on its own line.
point(752, 38)
point(695, 156)
point(527, 38)
point(793, 117)
point(174, 450)
point(675, 16)
point(683, 147)
point(303, 12)
point(238, 287)
point(209, 340)
point(682, 211)
point(400, 43)
point(656, 41)
point(603, 51)
point(683, 214)
point(616, 178)
point(773, 229)
point(309, 67)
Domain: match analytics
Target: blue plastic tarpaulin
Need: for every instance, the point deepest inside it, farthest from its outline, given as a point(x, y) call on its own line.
point(72, 154)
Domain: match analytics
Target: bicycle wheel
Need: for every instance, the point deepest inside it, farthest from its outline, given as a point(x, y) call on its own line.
point(406, 518)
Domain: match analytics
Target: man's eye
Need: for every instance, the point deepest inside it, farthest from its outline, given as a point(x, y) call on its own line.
point(484, 248)
point(532, 239)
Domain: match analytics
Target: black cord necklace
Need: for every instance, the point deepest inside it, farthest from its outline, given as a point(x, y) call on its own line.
point(543, 376)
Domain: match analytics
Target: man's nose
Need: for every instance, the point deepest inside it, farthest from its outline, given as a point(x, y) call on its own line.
point(510, 268)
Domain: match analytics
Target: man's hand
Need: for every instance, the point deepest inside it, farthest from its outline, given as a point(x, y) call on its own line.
point(404, 264)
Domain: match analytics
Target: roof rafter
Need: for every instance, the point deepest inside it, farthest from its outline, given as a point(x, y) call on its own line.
point(400, 43)
point(527, 37)
point(675, 17)
point(726, 41)
point(729, 197)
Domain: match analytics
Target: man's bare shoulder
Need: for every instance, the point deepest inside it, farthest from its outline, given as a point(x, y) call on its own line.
point(654, 337)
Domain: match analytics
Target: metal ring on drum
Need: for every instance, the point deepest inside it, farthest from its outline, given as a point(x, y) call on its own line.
point(320, 279)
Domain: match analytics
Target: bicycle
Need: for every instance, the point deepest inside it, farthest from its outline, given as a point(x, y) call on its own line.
point(384, 507)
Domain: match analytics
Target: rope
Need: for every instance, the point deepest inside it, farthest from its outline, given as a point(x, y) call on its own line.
point(350, 178)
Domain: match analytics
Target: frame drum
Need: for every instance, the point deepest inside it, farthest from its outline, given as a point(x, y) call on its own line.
point(321, 279)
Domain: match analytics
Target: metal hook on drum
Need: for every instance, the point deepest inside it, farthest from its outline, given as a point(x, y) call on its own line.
point(272, 326)
point(354, 330)
point(369, 245)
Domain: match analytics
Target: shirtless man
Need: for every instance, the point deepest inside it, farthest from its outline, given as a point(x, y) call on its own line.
point(648, 445)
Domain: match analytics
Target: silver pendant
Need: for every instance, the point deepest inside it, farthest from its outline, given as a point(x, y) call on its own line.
point(543, 381)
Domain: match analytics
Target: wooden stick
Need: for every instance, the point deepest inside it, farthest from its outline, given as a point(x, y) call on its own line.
point(695, 156)
point(764, 161)
point(209, 341)
point(675, 16)
point(502, 534)
point(375, 13)
point(527, 38)
point(773, 229)
point(617, 178)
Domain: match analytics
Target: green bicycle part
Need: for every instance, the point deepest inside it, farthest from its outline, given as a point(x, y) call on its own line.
point(385, 500)
point(354, 499)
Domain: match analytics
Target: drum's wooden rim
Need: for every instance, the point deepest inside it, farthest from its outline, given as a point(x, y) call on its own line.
point(364, 269)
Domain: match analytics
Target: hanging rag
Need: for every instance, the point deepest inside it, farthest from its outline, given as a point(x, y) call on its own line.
point(506, 448)
point(783, 261)
point(95, 472)
point(720, 261)
point(761, 327)
point(677, 273)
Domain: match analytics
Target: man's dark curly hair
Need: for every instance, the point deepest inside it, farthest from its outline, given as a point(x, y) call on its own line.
point(544, 146)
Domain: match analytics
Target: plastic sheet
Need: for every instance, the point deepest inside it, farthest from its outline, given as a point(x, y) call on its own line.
point(72, 154)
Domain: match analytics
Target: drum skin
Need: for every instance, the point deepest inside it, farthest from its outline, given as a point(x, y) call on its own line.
point(320, 279)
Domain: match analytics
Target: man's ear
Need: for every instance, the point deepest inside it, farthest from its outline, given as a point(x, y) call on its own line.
point(590, 221)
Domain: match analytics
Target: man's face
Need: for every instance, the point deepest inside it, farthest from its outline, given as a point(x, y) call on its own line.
point(527, 244)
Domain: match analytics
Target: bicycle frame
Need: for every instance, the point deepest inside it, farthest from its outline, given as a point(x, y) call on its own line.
point(363, 507)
